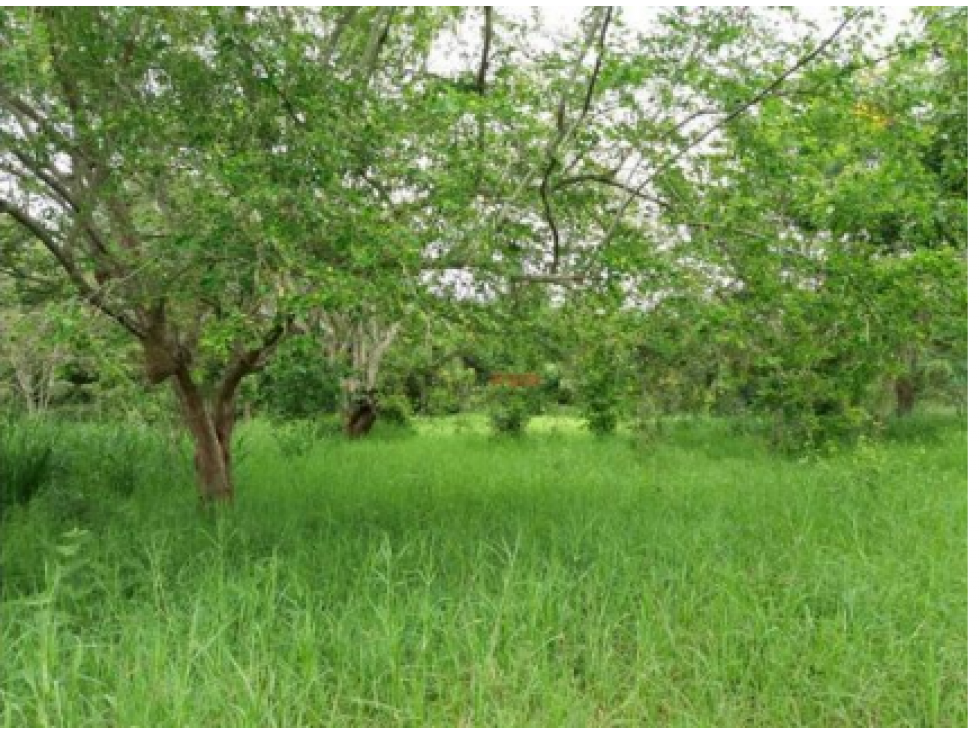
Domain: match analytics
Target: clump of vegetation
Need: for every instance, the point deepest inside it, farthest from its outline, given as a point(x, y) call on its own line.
point(299, 383)
point(511, 408)
point(646, 425)
point(26, 462)
point(601, 401)
point(395, 410)
point(298, 438)
point(602, 416)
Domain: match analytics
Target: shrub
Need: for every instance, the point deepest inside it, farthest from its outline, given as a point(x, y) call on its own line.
point(298, 437)
point(510, 409)
point(599, 395)
point(396, 410)
point(819, 420)
point(298, 383)
point(443, 401)
point(602, 416)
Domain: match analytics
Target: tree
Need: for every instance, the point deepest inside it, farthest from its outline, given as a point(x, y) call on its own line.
point(356, 343)
point(836, 243)
point(237, 171)
point(180, 187)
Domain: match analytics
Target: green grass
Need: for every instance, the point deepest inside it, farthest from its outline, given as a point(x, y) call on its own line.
point(446, 578)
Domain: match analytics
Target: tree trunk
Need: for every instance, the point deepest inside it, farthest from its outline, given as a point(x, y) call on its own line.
point(359, 410)
point(360, 419)
point(905, 393)
point(209, 414)
point(210, 428)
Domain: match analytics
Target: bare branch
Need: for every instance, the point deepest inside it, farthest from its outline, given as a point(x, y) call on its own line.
point(487, 42)
point(249, 361)
point(606, 180)
point(379, 34)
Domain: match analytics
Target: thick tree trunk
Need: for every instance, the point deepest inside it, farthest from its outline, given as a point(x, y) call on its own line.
point(209, 414)
point(906, 394)
point(211, 428)
point(360, 419)
point(359, 410)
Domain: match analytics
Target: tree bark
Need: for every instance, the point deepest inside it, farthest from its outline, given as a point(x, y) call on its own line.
point(210, 414)
point(210, 427)
point(360, 418)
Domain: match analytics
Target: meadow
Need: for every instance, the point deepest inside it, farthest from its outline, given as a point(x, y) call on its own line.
point(445, 577)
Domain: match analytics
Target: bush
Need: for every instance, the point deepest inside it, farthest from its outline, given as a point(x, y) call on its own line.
point(599, 395)
point(555, 387)
point(26, 463)
point(602, 417)
point(814, 423)
point(298, 383)
point(443, 401)
point(510, 409)
point(396, 410)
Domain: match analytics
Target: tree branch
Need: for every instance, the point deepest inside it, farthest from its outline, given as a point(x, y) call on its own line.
point(768, 90)
point(596, 70)
point(567, 133)
point(549, 214)
point(606, 181)
point(379, 34)
point(87, 291)
point(338, 29)
point(60, 190)
point(552, 278)
point(249, 361)
point(487, 42)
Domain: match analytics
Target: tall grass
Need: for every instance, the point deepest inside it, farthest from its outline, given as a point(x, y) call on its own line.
point(447, 578)
point(25, 462)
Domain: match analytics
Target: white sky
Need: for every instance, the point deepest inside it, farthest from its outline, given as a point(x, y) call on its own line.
point(825, 15)
point(562, 22)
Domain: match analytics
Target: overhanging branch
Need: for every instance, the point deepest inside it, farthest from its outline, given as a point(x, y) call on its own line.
point(64, 258)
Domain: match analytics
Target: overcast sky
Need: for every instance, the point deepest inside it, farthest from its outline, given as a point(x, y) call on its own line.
point(825, 15)
point(563, 22)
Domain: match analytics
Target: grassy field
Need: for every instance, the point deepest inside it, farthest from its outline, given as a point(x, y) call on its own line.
point(447, 578)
